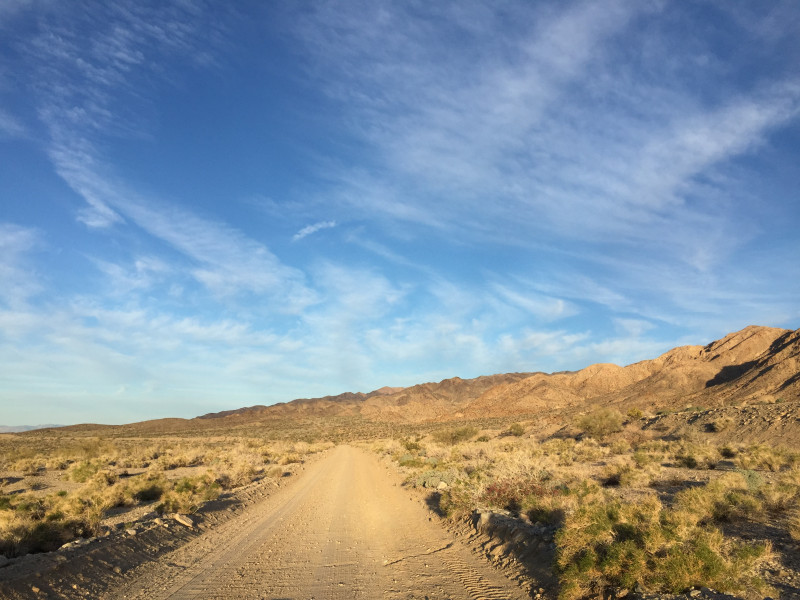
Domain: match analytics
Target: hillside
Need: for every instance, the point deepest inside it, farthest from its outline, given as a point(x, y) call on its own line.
point(755, 363)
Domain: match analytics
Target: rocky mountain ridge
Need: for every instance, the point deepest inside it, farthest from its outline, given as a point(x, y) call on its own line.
point(754, 365)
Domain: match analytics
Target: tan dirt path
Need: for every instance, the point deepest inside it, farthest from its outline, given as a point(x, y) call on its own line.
point(345, 529)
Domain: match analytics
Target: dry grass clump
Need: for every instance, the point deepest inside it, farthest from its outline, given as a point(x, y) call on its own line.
point(727, 498)
point(767, 458)
point(189, 493)
point(794, 525)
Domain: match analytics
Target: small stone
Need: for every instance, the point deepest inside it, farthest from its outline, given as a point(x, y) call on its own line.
point(442, 486)
point(694, 593)
point(3, 561)
point(130, 531)
point(117, 570)
point(35, 589)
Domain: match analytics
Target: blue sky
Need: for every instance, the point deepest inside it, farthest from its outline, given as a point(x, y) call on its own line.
point(203, 208)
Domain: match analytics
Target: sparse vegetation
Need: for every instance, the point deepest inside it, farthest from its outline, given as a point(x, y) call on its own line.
point(456, 435)
point(629, 509)
point(101, 473)
point(628, 506)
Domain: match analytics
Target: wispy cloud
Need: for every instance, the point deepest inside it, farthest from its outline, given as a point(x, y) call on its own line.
point(10, 127)
point(309, 229)
point(19, 281)
point(555, 137)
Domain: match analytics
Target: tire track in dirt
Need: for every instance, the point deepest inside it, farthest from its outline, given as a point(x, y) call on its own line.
point(345, 529)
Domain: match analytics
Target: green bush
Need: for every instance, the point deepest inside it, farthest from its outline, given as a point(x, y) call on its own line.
point(83, 471)
point(635, 413)
point(607, 545)
point(516, 429)
point(601, 422)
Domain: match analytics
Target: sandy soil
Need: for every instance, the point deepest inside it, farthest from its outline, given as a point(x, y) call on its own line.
point(345, 528)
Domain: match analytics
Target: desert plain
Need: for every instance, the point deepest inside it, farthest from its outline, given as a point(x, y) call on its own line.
point(672, 477)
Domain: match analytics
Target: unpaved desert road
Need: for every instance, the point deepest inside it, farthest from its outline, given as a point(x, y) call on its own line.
point(344, 529)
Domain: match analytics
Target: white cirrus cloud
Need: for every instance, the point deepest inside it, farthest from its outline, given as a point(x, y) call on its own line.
point(309, 229)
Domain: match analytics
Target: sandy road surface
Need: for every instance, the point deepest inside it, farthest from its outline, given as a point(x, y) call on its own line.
point(345, 529)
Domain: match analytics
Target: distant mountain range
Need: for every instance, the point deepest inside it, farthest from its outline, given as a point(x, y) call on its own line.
point(21, 428)
point(757, 365)
point(754, 364)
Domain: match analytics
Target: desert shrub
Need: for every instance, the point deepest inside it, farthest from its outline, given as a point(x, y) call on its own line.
point(189, 493)
point(82, 471)
point(718, 425)
point(516, 429)
point(601, 422)
point(781, 497)
point(635, 413)
point(29, 524)
point(619, 447)
point(753, 480)
point(567, 451)
point(178, 458)
point(482, 438)
point(105, 477)
point(587, 450)
point(620, 475)
point(727, 452)
point(454, 436)
point(290, 458)
point(767, 458)
point(239, 475)
point(411, 445)
point(516, 494)
point(30, 467)
point(726, 498)
point(642, 458)
point(686, 460)
point(147, 490)
point(457, 500)
point(609, 544)
point(410, 460)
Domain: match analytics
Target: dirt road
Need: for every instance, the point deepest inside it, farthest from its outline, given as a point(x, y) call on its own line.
point(345, 529)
